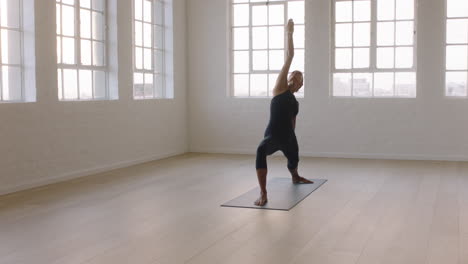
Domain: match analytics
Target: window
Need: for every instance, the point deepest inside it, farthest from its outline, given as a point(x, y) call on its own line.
point(149, 60)
point(374, 48)
point(258, 44)
point(456, 77)
point(11, 46)
point(81, 50)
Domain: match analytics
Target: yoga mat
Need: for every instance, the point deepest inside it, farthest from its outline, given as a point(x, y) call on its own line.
point(282, 194)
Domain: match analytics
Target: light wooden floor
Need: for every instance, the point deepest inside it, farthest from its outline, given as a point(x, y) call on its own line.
point(167, 212)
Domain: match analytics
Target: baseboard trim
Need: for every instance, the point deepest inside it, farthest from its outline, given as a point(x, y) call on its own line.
point(84, 173)
point(384, 156)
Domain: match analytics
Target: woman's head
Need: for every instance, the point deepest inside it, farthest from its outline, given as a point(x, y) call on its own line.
point(295, 81)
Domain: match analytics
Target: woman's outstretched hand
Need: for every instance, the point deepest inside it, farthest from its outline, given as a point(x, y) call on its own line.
point(290, 26)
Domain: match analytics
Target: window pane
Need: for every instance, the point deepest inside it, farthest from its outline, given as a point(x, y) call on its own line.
point(457, 31)
point(344, 11)
point(385, 57)
point(58, 18)
point(70, 83)
point(404, 33)
point(138, 33)
point(86, 84)
point(457, 8)
point(138, 85)
point(272, 82)
point(405, 84)
point(298, 62)
point(455, 83)
point(362, 10)
point(85, 3)
point(11, 47)
point(147, 11)
point(404, 57)
point(259, 15)
point(385, 33)
point(149, 87)
point(68, 46)
point(12, 83)
point(277, 59)
point(343, 35)
point(98, 26)
point(296, 11)
point(276, 15)
point(59, 50)
point(276, 37)
point(147, 35)
point(68, 21)
point(139, 58)
point(10, 13)
point(385, 9)
point(241, 85)
point(158, 13)
point(85, 23)
point(158, 37)
point(99, 80)
point(241, 61)
point(158, 61)
point(148, 59)
point(98, 5)
point(59, 84)
point(98, 53)
point(138, 9)
point(260, 60)
point(241, 38)
point(457, 57)
point(383, 84)
point(404, 9)
point(361, 58)
point(241, 15)
point(258, 85)
point(343, 58)
point(86, 52)
point(260, 38)
point(299, 34)
point(362, 84)
point(342, 84)
point(362, 34)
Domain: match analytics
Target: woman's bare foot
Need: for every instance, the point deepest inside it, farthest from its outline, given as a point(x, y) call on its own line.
point(298, 179)
point(262, 200)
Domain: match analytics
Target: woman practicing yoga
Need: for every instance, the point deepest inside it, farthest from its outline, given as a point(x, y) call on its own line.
point(279, 134)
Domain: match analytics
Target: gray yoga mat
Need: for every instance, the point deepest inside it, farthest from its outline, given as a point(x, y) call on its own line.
point(282, 194)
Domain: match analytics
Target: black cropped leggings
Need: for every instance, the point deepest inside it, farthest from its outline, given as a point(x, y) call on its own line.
point(270, 145)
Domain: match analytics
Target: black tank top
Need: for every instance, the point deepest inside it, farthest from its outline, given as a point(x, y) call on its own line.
point(284, 107)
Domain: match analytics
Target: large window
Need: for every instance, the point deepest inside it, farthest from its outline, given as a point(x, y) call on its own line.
point(11, 46)
point(457, 48)
point(149, 50)
point(374, 48)
point(258, 44)
point(81, 50)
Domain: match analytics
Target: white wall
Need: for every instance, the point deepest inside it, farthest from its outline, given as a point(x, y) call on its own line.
point(49, 141)
point(428, 127)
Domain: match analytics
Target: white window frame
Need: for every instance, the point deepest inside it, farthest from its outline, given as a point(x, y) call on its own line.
point(373, 51)
point(447, 18)
point(231, 91)
point(78, 65)
point(20, 29)
point(159, 92)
